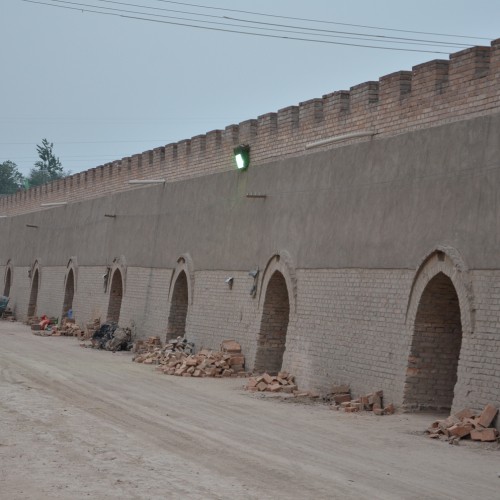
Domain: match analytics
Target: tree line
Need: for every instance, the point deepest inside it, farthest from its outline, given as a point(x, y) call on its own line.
point(47, 168)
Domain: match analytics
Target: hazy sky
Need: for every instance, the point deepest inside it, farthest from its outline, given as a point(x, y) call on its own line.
point(103, 87)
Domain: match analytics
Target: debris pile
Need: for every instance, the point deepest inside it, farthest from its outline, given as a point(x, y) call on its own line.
point(151, 344)
point(173, 360)
point(342, 401)
point(67, 329)
point(43, 326)
point(466, 424)
point(90, 329)
point(8, 315)
point(283, 382)
point(111, 338)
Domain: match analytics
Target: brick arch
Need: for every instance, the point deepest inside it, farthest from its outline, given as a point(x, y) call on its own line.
point(184, 263)
point(8, 278)
point(281, 261)
point(180, 297)
point(119, 263)
point(116, 291)
point(35, 275)
point(439, 315)
point(448, 261)
point(277, 299)
point(70, 286)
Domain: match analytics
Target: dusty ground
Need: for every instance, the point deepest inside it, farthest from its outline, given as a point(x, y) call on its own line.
point(78, 423)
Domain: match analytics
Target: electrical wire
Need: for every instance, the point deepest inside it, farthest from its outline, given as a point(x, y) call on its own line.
point(83, 8)
point(325, 22)
point(378, 38)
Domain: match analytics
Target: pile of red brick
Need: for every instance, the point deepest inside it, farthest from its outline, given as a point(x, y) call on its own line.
point(466, 423)
point(228, 362)
point(283, 382)
point(149, 345)
point(342, 401)
point(67, 329)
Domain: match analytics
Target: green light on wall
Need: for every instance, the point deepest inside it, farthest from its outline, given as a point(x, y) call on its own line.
point(242, 156)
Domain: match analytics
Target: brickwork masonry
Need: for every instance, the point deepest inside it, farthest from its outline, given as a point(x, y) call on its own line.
point(433, 93)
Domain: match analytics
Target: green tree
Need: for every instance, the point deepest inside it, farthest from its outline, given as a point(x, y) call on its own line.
point(11, 180)
point(48, 167)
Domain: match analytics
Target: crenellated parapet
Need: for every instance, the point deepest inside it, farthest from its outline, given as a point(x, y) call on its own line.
point(432, 93)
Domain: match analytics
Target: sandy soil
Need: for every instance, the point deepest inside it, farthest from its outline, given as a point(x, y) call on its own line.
point(78, 423)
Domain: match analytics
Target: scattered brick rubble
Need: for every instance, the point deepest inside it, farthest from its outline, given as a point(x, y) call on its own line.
point(47, 327)
point(173, 360)
point(283, 382)
point(67, 329)
point(466, 424)
point(342, 401)
point(152, 344)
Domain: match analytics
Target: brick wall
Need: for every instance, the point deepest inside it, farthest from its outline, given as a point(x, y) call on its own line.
point(433, 93)
point(219, 312)
point(20, 292)
point(479, 365)
point(145, 303)
point(350, 328)
point(51, 291)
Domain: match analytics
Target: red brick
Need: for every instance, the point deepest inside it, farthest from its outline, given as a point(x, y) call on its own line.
point(262, 386)
point(342, 398)
point(340, 389)
point(465, 413)
point(489, 434)
point(487, 416)
point(460, 430)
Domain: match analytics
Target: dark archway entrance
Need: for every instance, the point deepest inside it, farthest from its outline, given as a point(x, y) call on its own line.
point(178, 308)
point(273, 327)
point(8, 283)
point(69, 293)
point(115, 297)
point(34, 294)
point(437, 339)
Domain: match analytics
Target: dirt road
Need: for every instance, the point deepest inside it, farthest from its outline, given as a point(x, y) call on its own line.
point(78, 423)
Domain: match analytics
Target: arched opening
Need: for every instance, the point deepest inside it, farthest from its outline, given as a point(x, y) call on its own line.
point(69, 293)
point(437, 339)
point(178, 308)
point(115, 297)
point(273, 327)
point(34, 294)
point(8, 282)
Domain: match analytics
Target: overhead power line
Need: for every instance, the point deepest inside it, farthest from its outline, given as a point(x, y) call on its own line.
point(322, 21)
point(308, 29)
point(85, 8)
